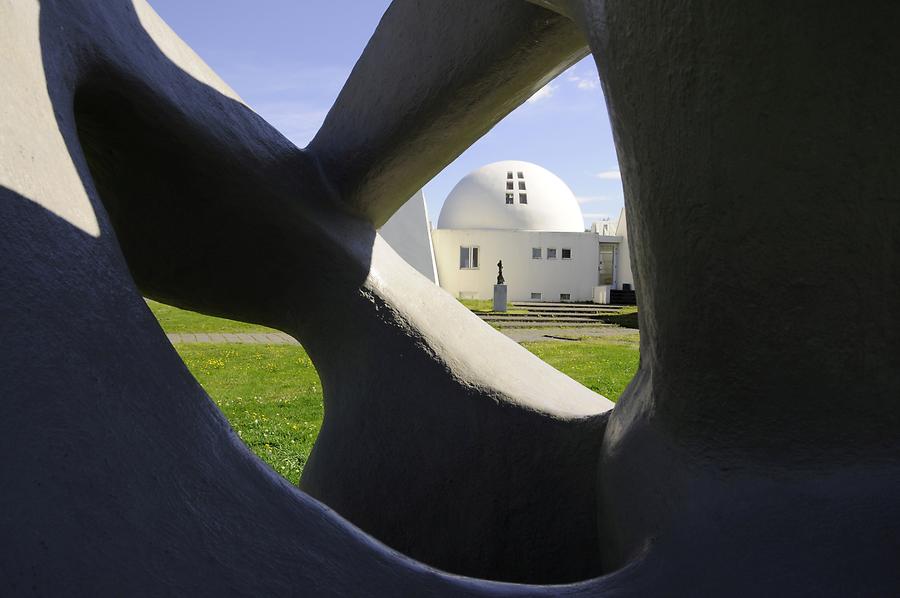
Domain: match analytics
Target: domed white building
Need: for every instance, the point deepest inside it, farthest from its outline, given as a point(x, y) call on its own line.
point(512, 195)
point(526, 216)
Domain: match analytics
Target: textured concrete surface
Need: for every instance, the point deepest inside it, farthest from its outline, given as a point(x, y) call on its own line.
point(748, 457)
point(758, 157)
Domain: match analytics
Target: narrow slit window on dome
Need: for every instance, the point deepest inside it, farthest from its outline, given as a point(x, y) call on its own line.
point(523, 198)
point(535, 253)
point(509, 185)
point(510, 198)
point(520, 175)
point(521, 185)
point(509, 174)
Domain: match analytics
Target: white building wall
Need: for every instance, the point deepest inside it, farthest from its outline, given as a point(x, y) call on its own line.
point(623, 273)
point(523, 275)
point(605, 228)
point(408, 232)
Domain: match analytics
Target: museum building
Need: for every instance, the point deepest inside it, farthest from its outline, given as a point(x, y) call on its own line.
point(526, 216)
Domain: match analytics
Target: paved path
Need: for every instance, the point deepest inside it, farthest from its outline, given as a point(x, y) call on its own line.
point(247, 338)
point(519, 335)
point(536, 335)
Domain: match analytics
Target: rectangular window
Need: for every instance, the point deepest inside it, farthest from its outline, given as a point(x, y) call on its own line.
point(521, 185)
point(463, 258)
point(551, 253)
point(468, 258)
point(535, 296)
point(509, 175)
point(565, 297)
point(535, 253)
point(521, 176)
point(510, 198)
point(523, 198)
point(566, 254)
point(509, 185)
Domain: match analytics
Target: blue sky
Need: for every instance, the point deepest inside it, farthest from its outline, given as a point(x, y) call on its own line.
point(288, 60)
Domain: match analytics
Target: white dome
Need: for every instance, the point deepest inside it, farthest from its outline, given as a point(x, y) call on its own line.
point(480, 200)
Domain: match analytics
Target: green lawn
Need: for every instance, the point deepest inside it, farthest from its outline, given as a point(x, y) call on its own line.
point(272, 395)
point(173, 319)
point(604, 365)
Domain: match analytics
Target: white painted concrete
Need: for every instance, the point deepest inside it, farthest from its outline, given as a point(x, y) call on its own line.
point(524, 275)
point(623, 274)
point(604, 227)
point(479, 200)
point(408, 232)
point(476, 219)
point(601, 294)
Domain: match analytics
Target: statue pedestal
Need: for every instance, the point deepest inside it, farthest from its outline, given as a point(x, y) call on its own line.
point(499, 297)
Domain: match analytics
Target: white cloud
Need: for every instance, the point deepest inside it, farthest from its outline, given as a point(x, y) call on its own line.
point(609, 175)
point(585, 199)
point(545, 92)
point(585, 83)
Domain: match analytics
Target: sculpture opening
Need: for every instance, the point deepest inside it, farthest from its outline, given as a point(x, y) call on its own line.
point(261, 379)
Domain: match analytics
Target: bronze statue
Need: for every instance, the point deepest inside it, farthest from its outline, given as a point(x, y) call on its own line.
point(500, 273)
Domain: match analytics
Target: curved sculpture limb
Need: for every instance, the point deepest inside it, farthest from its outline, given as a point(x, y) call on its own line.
point(762, 428)
point(432, 80)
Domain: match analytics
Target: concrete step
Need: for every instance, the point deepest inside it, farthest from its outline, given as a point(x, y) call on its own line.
point(542, 315)
point(547, 324)
point(502, 316)
point(552, 304)
point(523, 318)
point(565, 310)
